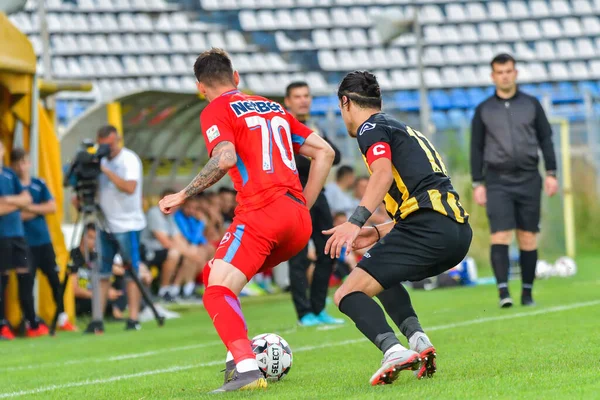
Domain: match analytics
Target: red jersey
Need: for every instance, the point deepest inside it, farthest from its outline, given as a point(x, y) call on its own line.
point(265, 137)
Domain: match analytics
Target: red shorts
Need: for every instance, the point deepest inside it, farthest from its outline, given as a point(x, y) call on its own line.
point(261, 239)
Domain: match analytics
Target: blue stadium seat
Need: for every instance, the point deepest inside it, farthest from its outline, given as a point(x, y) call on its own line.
point(459, 98)
point(565, 93)
point(407, 100)
point(588, 86)
point(62, 110)
point(321, 105)
point(457, 118)
point(440, 120)
point(439, 100)
point(476, 96)
point(530, 89)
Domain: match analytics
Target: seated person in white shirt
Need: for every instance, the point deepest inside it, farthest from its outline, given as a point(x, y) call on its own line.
point(337, 192)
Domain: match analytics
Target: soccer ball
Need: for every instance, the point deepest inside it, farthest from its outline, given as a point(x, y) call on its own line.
point(565, 266)
point(543, 270)
point(273, 354)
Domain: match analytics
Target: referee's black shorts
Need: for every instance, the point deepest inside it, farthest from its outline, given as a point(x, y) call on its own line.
point(43, 257)
point(424, 244)
point(514, 200)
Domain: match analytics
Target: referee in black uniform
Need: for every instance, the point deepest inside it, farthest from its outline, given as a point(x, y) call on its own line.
point(310, 310)
point(429, 233)
point(508, 129)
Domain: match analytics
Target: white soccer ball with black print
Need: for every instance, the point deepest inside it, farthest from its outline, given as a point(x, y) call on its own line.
point(273, 354)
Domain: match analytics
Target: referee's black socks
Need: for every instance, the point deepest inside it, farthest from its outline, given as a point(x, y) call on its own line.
point(369, 319)
point(528, 263)
point(500, 265)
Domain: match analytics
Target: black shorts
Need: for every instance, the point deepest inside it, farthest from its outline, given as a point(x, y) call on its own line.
point(155, 258)
point(514, 201)
point(14, 253)
point(43, 258)
point(423, 245)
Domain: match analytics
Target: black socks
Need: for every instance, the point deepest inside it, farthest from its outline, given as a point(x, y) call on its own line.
point(369, 319)
point(500, 264)
point(528, 263)
point(25, 282)
point(396, 302)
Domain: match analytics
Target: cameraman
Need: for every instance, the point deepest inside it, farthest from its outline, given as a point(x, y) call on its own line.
point(120, 198)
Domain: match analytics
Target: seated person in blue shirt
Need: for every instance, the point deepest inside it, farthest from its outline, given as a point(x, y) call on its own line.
point(191, 223)
point(14, 251)
point(36, 230)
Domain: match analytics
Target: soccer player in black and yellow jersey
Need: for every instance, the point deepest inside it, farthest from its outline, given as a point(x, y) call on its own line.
point(429, 233)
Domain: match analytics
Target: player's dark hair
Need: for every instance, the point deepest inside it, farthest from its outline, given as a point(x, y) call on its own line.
point(362, 88)
point(502, 59)
point(214, 67)
point(225, 189)
point(342, 171)
point(295, 85)
point(90, 226)
point(105, 131)
point(361, 178)
point(17, 154)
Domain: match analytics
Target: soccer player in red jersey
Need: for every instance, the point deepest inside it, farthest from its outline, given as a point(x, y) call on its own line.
point(254, 139)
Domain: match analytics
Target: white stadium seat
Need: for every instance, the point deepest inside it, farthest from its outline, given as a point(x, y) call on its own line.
point(358, 37)
point(582, 7)
point(469, 54)
point(320, 38)
point(320, 18)
point(455, 12)
point(179, 21)
point(518, 9)
point(143, 22)
point(130, 43)
point(476, 12)
point(560, 8)
point(54, 23)
point(346, 60)
point(398, 58)
point(431, 13)
point(145, 43)
point(585, 48)
point(591, 25)
point(468, 33)
point(595, 68)
point(452, 55)
point(538, 72)
point(95, 23)
point(339, 17)
point(339, 38)
point(450, 76)
point(524, 52)
point(545, 50)
point(235, 41)
point(432, 77)
point(558, 71)
point(131, 65)
point(301, 19)
point(283, 20)
point(197, 42)
point(84, 44)
point(432, 34)
point(362, 58)
point(579, 70)
point(469, 75)
point(161, 64)
point(572, 27)
point(114, 44)
point(163, 23)
point(486, 52)
point(160, 42)
point(530, 30)
point(215, 39)
point(509, 30)
point(539, 8)
point(488, 32)
point(80, 23)
point(503, 48)
point(384, 80)
point(122, 5)
point(551, 28)
point(483, 75)
point(379, 58)
point(267, 20)
point(110, 23)
point(172, 83)
point(327, 60)
point(565, 49)
point(497, 10)
point(74, 68)
point(113, 66)
point(432, 55)
point(126, 22)
point(156, 82)
point(179, 42)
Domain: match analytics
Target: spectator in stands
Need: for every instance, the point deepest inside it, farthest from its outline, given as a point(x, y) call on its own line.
point(81, 280)
point(41, 251)
point(380, 215)
point(337, 192)
point(310, 312)
point(508, 130)
point(120, 198)
point(161, 248)
point(228, 204)
point(191, 222)
point(14, 250)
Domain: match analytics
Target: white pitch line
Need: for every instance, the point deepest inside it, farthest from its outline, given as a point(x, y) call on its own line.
point(112, 358)
point(299, 349)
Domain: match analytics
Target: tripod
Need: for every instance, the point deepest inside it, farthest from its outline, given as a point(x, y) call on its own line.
point(92, 213)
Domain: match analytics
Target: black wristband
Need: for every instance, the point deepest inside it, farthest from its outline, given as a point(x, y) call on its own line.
point(378, 234)
point(360, 216)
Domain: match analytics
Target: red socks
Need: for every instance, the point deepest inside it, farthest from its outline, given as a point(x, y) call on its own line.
point(225, 311)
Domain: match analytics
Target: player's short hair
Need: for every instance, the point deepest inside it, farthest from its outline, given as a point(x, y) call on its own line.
point(225, 189)
point(214, 67)
point(295, 85)
point(17, 154)
point(362, 178)
point(362, 88)
point(503, 58)
point(105, 131)
point(343, 171)
point(90, 226)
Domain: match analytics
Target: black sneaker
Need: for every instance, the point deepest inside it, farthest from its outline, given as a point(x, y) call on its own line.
point(505, 302)
point(132, 325)
point(527, 301)
point(167, 298)
point(251, 380)
point(95, 327)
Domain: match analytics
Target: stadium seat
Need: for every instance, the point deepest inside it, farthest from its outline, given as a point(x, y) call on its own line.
point(452, 55)
point(317, 82)
point(530, 30)
point(503, 48)
point(145, 43)
point(319, 18)
point(558, 71)
point(458, 119)
point(131, 66)
point(248, 20)
point(301, 19)
point(86, 5)
point(476, 12)
point(571, 27)
point(432, 77)
point(439, 100)
point(267, 20)
point(380, 59)
point(467, 33)
point(551, 29)
point(104, 45)
point(339, 17)
point(432, 34)
point(560, 8)
point(156, 82)
point(339, 38)
point(197, 42)
point(594, 68)
point(483, 74)
point(406, 100)
point(440, 120)
point(588, 87)
point(488, 32)
point(143, 22)
point(130, 43)
point(216, 39)
point(538, 72)
point(591, 25)
point(179, 65)
point(80, 23)
point(565, 93)
point(126, 23)
point(529, 89)
point(459, 98)
point(585, 48)
point(578, 70)
point(160, 43)
point(582, 7)
point(432, 55)
point(109, 23)
point(539, 8)
point(545, 50)
point(431, 13)
point(518, 9)
point(113, 66)
point(486, 52)
point(283, 20)
point(358, 37)
point(321, 39)
point(74, 68)
point(405, 79)
point(179, 21)
point(327, 60)
point(565, 49)
point(497, 10)
point(523, 51)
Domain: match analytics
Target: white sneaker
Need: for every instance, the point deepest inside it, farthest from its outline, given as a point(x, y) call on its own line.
point(146, 315)
point(393, 364)
point(166, 313)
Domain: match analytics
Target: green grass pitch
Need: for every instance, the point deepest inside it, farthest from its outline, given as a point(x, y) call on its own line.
point(550, 351)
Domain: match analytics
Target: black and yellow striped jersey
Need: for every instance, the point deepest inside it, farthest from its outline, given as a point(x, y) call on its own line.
point(420, 177)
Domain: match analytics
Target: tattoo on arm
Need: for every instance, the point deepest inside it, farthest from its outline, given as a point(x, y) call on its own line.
point(212, 171)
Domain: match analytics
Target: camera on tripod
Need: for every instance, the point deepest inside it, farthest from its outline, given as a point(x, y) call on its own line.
point(84, 171)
